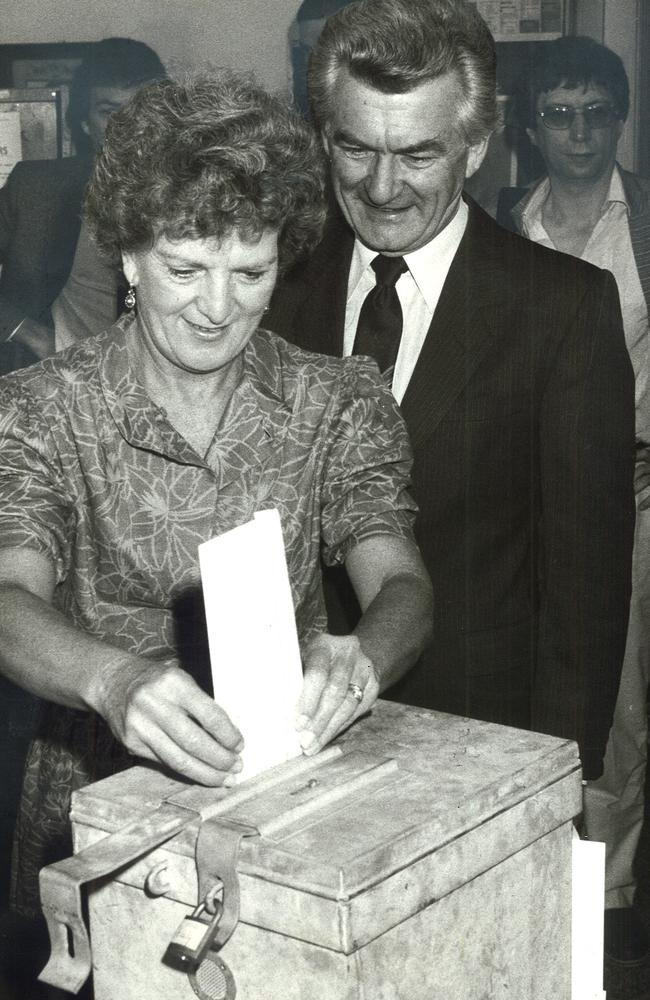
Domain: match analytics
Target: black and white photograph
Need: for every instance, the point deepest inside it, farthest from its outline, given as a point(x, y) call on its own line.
point(324, 500)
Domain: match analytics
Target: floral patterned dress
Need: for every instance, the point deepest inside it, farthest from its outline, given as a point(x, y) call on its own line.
point(94, 476)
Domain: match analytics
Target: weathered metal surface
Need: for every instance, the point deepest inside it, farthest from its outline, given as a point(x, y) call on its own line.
point(449, 877)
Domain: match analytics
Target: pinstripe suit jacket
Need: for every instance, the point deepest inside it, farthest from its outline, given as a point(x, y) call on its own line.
point(521, 416)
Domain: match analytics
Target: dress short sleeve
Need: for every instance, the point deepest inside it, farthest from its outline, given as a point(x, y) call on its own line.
point(367, 472)
point(35, 511)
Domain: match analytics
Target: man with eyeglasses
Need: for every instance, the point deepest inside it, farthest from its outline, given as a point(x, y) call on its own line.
point(573, 105)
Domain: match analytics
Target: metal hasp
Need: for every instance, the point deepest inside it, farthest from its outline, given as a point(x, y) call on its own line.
point(213, 920)
point(70, 961)
point(60, 885)
point(207, 929)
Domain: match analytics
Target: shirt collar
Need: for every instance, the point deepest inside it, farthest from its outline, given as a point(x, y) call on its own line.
point(261, 362)
point(533, 207)
point(260, 391)
point(436, 253)
point(616, 190)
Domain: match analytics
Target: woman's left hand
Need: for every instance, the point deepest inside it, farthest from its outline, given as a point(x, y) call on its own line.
point(340, 684)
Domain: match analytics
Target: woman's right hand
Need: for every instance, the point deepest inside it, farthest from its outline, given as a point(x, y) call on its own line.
point(157, 711)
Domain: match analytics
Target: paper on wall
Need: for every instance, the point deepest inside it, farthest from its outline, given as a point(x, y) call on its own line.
point(254, 652)
point(11, 147)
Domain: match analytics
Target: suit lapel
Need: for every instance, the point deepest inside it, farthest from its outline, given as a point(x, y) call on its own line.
point(458, 338)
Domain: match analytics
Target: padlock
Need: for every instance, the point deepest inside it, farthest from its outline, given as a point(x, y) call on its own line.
point(194, 936)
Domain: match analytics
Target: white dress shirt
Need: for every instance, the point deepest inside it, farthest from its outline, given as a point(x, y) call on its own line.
point(418, 290)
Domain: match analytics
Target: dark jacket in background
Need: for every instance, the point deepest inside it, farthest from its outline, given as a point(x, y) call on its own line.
point(513, 201)
point(40, 219)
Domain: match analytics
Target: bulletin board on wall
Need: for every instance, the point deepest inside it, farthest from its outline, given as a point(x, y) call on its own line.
point(513, 20)
point(34, 87)
point(31, 126)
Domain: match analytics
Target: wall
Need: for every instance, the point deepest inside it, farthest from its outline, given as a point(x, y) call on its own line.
point(615, 23)
point(245, 34)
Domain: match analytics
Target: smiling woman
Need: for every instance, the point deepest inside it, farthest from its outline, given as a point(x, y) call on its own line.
point(121, 455)
point(199, 303)
point(225, 192)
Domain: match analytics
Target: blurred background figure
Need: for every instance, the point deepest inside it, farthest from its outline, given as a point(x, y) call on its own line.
point(306, 28)
point(54, 287)
point(573, 105)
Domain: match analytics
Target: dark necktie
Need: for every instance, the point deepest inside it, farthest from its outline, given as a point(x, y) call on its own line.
point(380, 321)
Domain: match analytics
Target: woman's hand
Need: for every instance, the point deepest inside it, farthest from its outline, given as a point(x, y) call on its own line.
point(340, 684)
point(157, 711)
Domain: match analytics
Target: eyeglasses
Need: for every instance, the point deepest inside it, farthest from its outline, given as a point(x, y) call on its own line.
point(562, 116)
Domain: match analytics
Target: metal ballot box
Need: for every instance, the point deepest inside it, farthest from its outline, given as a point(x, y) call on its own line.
point(424, 857)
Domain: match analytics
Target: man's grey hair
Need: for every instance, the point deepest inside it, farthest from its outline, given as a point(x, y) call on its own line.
point(396, 45)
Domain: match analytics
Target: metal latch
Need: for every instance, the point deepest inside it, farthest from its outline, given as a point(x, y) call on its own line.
point(61, 883)
point(69, 964)
point(217, 852)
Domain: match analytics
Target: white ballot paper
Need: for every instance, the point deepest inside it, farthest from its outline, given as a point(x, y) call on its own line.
point(254, 652)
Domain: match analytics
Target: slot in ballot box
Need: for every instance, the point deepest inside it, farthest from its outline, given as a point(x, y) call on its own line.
point(425, 857)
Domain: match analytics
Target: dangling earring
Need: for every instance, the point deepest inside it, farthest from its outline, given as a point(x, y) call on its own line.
point(129, 298)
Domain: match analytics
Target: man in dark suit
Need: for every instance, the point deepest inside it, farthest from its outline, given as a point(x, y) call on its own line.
point(511, 371)
point(54, 287)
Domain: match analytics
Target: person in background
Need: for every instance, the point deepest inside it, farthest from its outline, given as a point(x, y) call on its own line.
point(573, 104)
point(54, 287)
point(509, 364)
point(121, 454)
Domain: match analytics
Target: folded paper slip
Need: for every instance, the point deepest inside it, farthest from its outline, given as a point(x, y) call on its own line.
point(254, 652)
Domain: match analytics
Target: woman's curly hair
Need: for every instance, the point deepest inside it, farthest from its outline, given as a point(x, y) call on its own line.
point(203, 158)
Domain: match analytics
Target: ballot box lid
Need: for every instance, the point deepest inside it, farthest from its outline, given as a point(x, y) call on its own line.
point(416, 803)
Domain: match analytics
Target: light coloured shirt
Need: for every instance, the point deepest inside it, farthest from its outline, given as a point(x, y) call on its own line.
point(418, 290)
point(608, 247)
point(87, 303)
